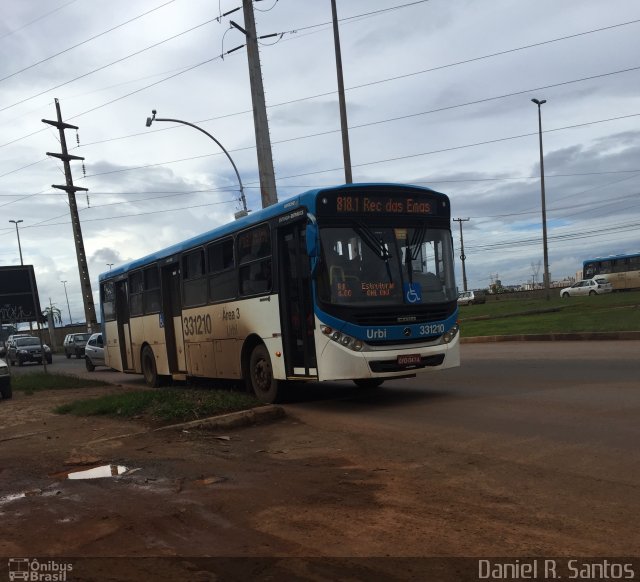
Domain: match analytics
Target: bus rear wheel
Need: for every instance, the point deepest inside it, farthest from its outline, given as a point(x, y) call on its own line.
point(260, 378)
point(369, 383)
point(149, 369)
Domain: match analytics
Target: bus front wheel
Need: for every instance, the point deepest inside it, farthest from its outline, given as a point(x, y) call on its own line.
point(149, 369)
point(260, 379)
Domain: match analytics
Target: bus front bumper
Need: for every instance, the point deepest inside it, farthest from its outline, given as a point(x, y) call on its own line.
point(341, 363)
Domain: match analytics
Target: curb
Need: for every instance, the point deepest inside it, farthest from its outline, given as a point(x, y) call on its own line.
point(258, 415)
point(552, 337)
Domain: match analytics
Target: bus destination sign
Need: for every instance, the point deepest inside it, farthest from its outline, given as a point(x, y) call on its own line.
point(378, 205)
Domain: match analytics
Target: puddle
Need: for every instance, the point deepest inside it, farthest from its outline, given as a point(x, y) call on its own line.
point(29, 493)
point(98, 472)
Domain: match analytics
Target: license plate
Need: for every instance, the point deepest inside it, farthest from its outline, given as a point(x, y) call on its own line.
point(409, 360)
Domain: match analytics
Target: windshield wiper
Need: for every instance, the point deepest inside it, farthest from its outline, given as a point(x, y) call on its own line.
point(377, 245)
point(412, 251)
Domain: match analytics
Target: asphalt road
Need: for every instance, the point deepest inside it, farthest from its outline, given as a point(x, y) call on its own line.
point(528, 449)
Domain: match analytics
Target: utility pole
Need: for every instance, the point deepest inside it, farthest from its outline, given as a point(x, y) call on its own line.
point(462, 255)
point(261, 124)
point(348, 178)
point(70, 189)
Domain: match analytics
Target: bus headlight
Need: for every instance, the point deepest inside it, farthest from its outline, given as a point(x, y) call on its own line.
point(449, 335)
point(345, 340)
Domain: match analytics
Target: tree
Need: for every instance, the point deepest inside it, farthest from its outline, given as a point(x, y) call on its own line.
point(52, 315)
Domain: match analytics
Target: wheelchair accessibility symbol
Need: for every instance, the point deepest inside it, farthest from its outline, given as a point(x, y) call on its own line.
point(412, 293)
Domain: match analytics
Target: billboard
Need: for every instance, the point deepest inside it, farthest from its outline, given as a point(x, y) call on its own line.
point(19, 302)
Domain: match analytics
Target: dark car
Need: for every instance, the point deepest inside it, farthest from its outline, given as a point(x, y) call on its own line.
point(28, 349)
point(94, 352)
point(74, 344)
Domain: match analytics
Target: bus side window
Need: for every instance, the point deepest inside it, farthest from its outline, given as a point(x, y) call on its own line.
point(136, 287)
point(195, 283)
point(222, 275)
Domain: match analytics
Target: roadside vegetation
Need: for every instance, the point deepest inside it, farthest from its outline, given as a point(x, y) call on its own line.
point(162, 405)
point(509, 316)
point(38, 381)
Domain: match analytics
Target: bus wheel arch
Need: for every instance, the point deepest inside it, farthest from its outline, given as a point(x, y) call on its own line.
point(257, 371)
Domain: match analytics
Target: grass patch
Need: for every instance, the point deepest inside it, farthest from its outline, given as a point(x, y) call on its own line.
point(612, 312)
point(38, 381)
point(163, 406)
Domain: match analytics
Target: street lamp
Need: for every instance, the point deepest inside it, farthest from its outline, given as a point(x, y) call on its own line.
point(153, 118)
point(539, 103)
point(16, 222)
point(109, 265)
point(67, 296)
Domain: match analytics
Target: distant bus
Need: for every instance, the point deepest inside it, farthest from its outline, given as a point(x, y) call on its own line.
point(622, 271)
point(354, 282)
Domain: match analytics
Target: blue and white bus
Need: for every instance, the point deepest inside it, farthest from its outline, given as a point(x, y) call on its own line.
point(353, 282)
point(622, 271)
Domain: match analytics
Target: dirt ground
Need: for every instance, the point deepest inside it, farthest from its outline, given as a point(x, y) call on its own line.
point(275, 490)
point(181, 493)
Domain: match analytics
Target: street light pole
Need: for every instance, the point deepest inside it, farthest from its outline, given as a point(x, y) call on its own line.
point(109, 265)
point(16, 222)
point(67, 296)
point(539, 103)
point(153, 118)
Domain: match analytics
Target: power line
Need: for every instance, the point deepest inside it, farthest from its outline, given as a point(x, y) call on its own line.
point(119, 216)
point(114, 63)
point(491, 55)
point(9, 33)
point(408, 156)
point(83, 42)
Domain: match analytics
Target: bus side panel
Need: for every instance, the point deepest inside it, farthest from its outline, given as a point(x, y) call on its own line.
point(147, 329)
point(233, 322)
point(623, 281)
point(227, 355)
point(200, 360)
point(112, 357)
point(180, 348)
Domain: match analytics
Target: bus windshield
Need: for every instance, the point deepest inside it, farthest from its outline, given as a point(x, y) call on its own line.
point(369, 266)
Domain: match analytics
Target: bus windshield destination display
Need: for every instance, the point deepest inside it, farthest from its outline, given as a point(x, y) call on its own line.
point(348, 204)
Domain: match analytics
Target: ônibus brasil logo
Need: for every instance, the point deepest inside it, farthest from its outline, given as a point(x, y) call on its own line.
point(32, 569)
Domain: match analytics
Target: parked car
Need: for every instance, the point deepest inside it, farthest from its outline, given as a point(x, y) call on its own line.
point(5, 380)
point(471, 297)
point(594, 286)
point(27, 349)
point(74, 344)
point(94, 352)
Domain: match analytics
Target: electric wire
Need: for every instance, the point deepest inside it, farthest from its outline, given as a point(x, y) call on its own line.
point(84, 42)
point(9, 33)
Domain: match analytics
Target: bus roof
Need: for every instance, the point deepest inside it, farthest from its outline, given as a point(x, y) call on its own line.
point(307, 199)
point(612, 257)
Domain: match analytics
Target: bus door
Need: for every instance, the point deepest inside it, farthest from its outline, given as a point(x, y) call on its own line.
point(296, 307)
point(172, 317)
point(122, 317)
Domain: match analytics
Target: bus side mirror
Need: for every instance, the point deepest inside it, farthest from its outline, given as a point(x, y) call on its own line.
point(313, 246)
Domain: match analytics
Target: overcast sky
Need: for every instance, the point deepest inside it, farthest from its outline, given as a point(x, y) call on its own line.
point(438, 94)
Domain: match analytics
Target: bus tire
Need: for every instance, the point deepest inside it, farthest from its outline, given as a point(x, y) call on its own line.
point(369, 383)
point(260, 378)
point(149, 370)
